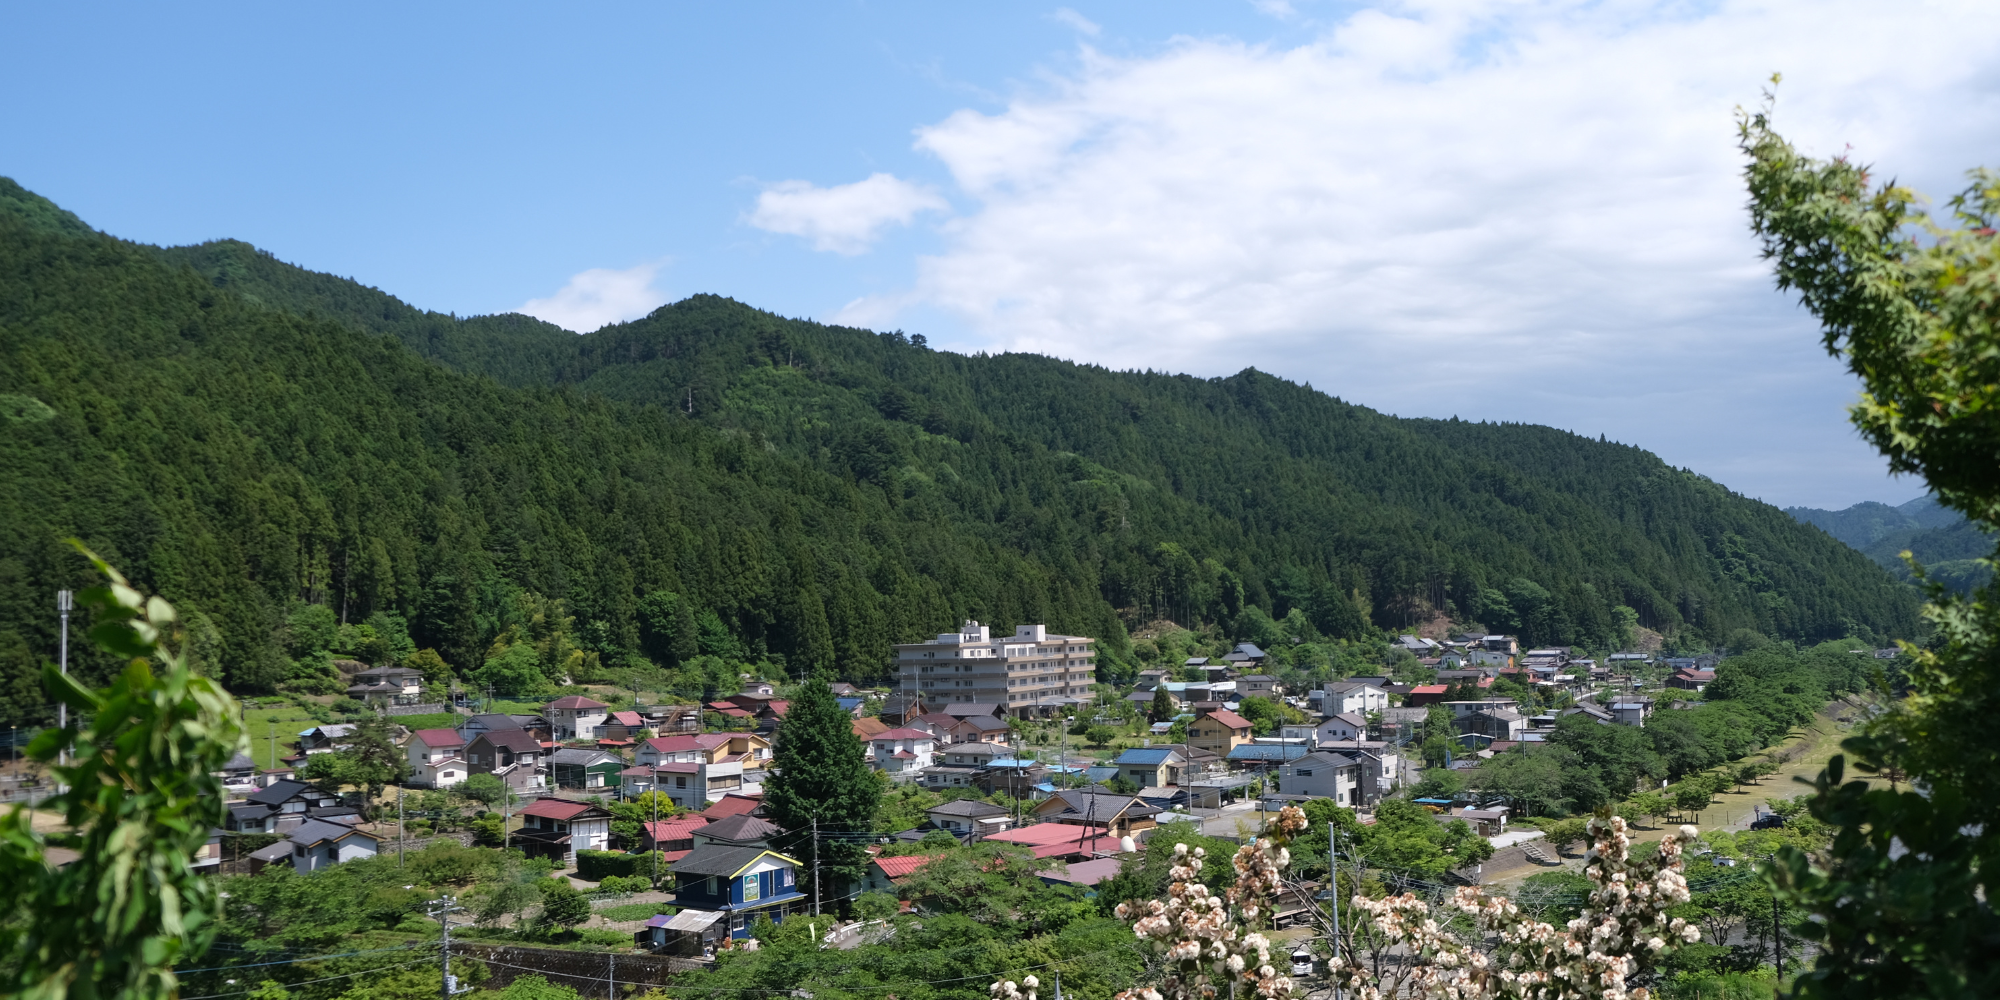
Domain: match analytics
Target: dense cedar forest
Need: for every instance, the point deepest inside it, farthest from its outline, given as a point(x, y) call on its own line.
point(248, 437)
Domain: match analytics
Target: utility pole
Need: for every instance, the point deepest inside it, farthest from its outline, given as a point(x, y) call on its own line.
point(399, 828)
point(815, 846)
point(443, 908)
point(64, 602)
point(1333, 889)
point(274, 743)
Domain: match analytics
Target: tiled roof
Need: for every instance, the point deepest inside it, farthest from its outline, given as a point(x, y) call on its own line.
point(1145, 755)
point(716, 859)
point(674, 829)
point(438, 737)
point(740, 827)
point(556, 808)
point(575, 701)
point(900, 868)
point(1230, 719)
point(686, 742)
point(903, 734)
point(732, 804)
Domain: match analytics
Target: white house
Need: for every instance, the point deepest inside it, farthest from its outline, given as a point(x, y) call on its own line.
point(688, 784)
point(1352, 697)
point(437, 758)
point(1324, 775)
point(903, 751)
point(316, 844)
point(1348, 726)
point(558, 828)
point(575, 717)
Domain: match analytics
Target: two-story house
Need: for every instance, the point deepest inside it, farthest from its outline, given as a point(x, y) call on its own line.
point(1325, 775)
point(1151, 767)
point(316, 844)
point(688, 784)
point(558, 828)
point(1352, 697)
point(1219, 732)
point(903, 752)
point(283, 806)
point(437, 758)
point(511, 755)
point(970, 819)
point(749, 749)
point(978, 729)
point(575, 717)
point(389, 685)
point(1258, 686)
point(1351, 726)
point(580, 767)
point(742, 883)
point(1120, 815)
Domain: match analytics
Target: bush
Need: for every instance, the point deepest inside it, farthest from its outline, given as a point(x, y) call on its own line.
point(624, 883)
point(348, 706)
point(596, 866)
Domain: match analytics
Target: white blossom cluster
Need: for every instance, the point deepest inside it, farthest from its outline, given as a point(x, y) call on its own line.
point(1623, 925)
point(1010, 990)
point(1207, 947)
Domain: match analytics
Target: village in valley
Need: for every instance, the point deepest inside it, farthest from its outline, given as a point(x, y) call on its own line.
point(656, 812)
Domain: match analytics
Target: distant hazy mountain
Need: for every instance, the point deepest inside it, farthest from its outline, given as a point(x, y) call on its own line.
point(1940, 538)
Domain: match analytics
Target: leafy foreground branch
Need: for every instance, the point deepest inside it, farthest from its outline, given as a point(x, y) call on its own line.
point(1902, 902)
point(141, 797)
point(1481, 947)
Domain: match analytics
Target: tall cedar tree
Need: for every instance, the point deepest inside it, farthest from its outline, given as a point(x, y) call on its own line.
point(820, 776)
point(1163, 705)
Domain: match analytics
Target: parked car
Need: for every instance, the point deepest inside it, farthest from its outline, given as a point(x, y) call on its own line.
point(1767, 821)
point(1302, 963)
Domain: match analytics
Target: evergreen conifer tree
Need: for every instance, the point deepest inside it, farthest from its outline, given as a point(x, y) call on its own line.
point(820, 777)
point(1163, 705)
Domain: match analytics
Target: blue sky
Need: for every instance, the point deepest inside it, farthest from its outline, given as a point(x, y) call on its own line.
point(1518, 210)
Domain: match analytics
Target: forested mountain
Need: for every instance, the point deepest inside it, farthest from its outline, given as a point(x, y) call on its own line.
point(244, 435)
point(1949, 547)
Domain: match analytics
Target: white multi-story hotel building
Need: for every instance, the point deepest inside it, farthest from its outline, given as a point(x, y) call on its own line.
point(1031, 672)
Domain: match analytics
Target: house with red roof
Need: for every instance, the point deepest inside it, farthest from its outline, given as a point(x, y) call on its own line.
point(558, 828)
point(1219, 732)
point(671, 835)
point(1061, 840)
point(734, 804)
point(437, 758)
point(575, 717)
point(1424, 694)
point(887, 874)
point(621, 727)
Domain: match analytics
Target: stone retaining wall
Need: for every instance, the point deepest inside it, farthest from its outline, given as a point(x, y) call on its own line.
point(587, 972)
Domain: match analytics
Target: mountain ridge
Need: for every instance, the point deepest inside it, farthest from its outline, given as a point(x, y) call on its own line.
point(245, 434)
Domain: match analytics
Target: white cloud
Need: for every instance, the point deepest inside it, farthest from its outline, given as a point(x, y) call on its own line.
point(845, 218)
point(599, 297)
point(1076, 22)
point(1514, 209)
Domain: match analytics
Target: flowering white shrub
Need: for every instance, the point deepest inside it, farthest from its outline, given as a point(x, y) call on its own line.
point(1209, 941)
point(1622, 929)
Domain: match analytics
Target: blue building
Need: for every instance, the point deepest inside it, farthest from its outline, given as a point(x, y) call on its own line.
point(740, 882)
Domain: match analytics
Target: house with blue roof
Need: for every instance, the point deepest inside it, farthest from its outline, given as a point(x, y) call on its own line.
point(1151, 767)
point(742, 883)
